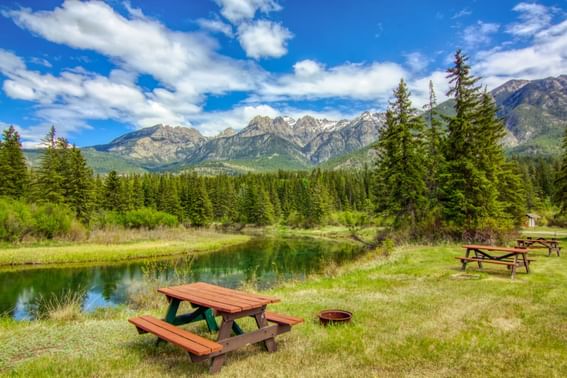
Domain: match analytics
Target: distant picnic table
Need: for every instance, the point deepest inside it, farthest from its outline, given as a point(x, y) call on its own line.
point(552, 245)
point(511, 257)
point(209, 301)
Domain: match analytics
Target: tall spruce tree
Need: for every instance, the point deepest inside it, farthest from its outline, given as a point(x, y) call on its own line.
point(561, 181)
point(112, 192)
point(400, 169)
point(469, 189)
point(13, 168)
point(48, 185)
point(79, 194)
point(434, 146)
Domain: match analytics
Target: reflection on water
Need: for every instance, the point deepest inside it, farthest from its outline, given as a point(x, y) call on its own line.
point(262, 261)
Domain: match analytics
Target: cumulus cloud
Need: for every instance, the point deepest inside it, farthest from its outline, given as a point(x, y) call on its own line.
point(479, 34)
point(185, 61)
point(311, 80)
point(545, 56)
point(237, 11)
point(263, 38)
point(216, 26)
point(533, 18)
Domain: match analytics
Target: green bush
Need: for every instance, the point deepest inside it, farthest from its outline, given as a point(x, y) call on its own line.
point(51, 220)
point(15, 220)
point(140, 218)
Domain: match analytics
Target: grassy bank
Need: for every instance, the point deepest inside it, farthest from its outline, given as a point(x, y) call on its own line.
point(120, 245)
point(415, 314)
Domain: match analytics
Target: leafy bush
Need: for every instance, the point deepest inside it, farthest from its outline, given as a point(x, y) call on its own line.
point(140, 218)
point(15, 220)
point(51, 220)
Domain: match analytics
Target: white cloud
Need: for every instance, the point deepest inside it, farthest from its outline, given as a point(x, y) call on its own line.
point(462, 13)
point(545, 56)
point(216, 26)
point(479, 34)
point(237, 11)
point(184, 61)
point(311, 80)
point(416, 61)
point(264, 39)
point(533, 18)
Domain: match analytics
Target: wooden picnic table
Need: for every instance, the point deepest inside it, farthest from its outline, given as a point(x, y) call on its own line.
point(552, 245)
point(511, 257)
point(209, 301)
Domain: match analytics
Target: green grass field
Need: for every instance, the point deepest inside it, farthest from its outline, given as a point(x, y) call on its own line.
point(415, 314)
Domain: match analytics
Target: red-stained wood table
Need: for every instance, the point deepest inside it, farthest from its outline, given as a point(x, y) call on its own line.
point(210, 301)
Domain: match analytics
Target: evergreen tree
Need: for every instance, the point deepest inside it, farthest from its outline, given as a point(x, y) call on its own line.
point(469, 192)
point(434, 144)
point(80, 185)
point(200, 208)
point(49, 179)
point(112, 192)
point(400, 169)
point(13, 168)
point(561, 181)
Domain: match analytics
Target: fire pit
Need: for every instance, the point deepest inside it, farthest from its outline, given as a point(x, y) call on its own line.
point(334, 317)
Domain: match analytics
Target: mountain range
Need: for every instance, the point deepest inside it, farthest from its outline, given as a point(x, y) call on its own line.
point(535, 113)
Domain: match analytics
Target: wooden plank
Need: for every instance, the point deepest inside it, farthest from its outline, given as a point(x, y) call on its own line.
point(241, 299)
point(237, 293)
point(194, 344)
point(493, 248)
point(486, 261)
point(218, 298)
point(200, 301)
point(282, 318)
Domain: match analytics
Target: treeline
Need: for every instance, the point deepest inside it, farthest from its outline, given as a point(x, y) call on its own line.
point(448, 176)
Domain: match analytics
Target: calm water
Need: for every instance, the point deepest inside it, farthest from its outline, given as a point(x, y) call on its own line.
point(262, 261)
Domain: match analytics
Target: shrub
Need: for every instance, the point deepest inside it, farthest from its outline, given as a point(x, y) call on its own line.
point(139, 218)
point(15, 220)
point(51, 220)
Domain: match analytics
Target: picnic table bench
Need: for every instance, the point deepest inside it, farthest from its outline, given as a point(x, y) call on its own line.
point(511, 257)
point(208, 302)
point(552, 245)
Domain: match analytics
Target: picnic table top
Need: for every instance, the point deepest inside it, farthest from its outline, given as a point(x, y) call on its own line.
point(217, 297)
point(494, 248)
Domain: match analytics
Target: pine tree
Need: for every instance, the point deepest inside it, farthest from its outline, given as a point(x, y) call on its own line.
point(469, 194)
point(80, 185)
point(434, 146)
point(561, 181)
point(400, 169)
point(112, 192)
point(13, 168)
point(49, 179)
point(200, 208)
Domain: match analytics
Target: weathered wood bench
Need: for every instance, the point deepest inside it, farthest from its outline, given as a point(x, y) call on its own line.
point(193, 344)
point(552, 245)
point(282, 319)
point(510, 258)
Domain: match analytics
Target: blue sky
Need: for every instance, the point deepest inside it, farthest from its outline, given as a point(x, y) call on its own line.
point(98, 69)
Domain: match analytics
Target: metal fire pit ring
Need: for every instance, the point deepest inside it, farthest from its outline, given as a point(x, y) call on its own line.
point(327, 317)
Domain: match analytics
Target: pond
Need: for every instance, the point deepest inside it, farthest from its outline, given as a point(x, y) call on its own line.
point(262, 262)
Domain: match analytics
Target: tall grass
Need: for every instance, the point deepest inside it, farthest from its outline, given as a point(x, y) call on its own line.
point(66, 306)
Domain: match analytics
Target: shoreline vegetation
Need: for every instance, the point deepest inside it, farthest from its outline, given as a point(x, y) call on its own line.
point(118, 248)
point(415, 313)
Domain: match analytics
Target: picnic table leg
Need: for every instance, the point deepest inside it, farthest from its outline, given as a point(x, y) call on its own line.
point(526, 263)
point(210, 319)
point(514, 266)
point(261, 322)
point(224, 333)
point(464, 262)
point(170, 314)
point(476, 254)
